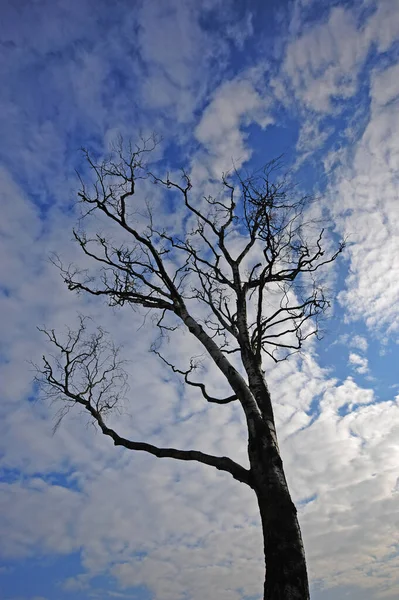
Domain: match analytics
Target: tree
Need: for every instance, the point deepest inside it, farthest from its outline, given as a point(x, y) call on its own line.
point(248, 256)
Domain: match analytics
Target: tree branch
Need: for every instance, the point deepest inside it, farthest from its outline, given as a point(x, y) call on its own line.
point(87, 372)
point(199, 385)
point(222, 463)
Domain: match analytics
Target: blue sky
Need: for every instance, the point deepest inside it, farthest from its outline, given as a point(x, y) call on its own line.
point(219, 81)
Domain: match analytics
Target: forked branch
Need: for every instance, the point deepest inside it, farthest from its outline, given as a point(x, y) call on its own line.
point(86, 371)
point(239, 272)
point(196, 384)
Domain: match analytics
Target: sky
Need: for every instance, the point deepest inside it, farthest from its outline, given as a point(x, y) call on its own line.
point(222, 83)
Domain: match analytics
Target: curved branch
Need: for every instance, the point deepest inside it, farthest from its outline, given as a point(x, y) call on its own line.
point(222, 463)
point(83, 374)
point(202, 387)
point(207, 397)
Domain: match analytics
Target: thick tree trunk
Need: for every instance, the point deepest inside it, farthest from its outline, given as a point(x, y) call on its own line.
point(286, 575)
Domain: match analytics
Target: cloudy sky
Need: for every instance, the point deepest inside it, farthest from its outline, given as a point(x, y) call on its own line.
point(220, 81)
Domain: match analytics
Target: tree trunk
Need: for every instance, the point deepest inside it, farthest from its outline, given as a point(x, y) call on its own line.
point(286, 575)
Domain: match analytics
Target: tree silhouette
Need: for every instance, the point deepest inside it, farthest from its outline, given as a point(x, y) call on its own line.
point(248, 259)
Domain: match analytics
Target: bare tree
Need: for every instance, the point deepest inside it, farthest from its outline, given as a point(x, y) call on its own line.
point(247, 258)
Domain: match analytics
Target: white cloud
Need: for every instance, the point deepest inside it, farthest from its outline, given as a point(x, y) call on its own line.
point(173, 80)
point(383, 26)
point(346, 455)
point(365, 207)
point(240, 31)
point(358, 341)
point(221, 130)
point(196, 529)
point(359, 363)
point(323, 63)
point(38, 514)
point(385, 86)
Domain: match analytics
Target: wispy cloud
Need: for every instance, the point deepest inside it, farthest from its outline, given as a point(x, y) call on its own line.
point(359, 363)
point(202, 76)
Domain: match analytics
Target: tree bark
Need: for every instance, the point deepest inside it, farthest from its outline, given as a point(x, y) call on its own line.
point(286, 574)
